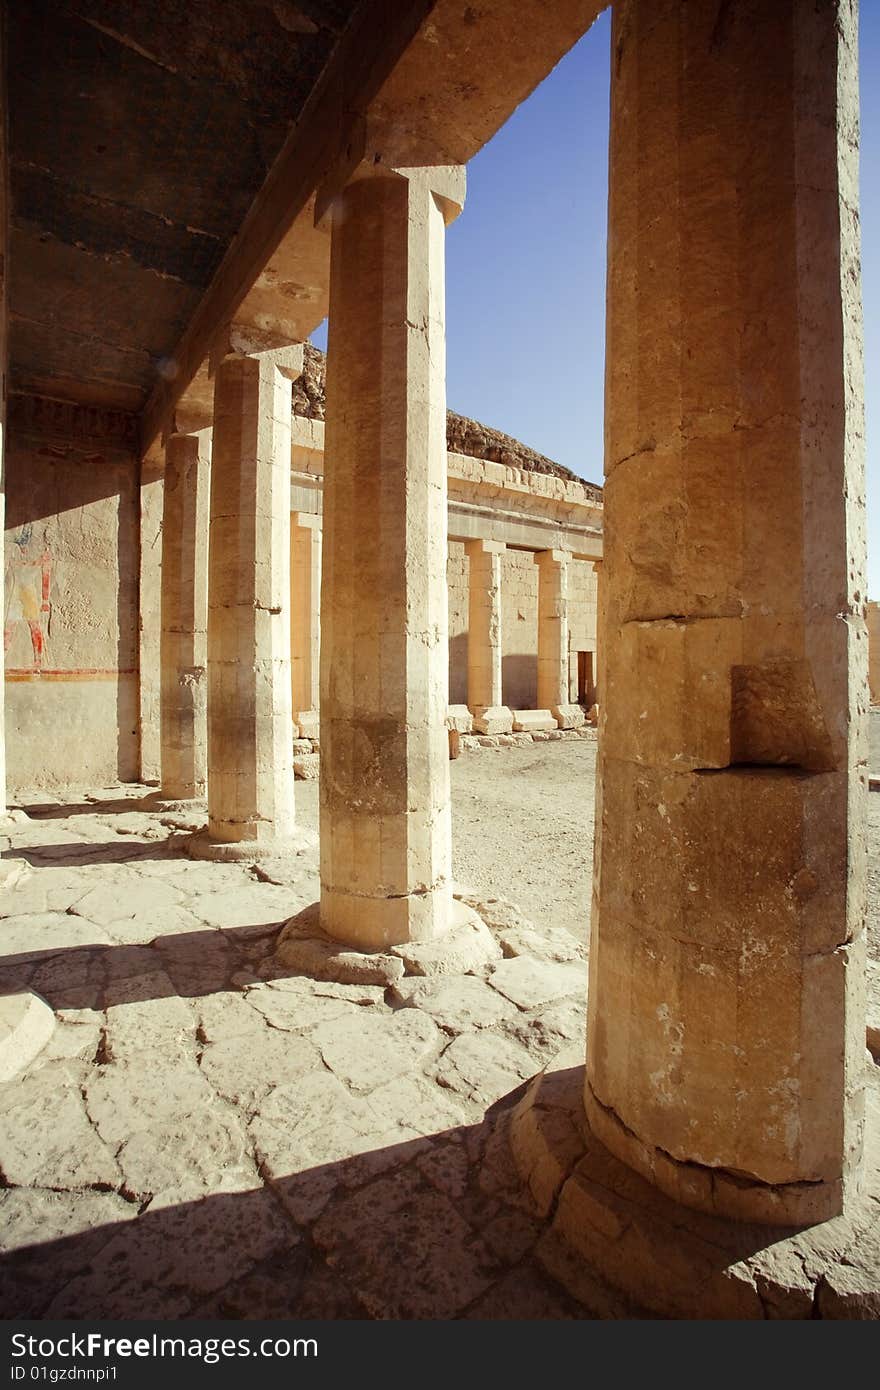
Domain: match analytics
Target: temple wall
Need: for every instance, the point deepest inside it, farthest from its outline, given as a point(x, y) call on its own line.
point(71, 601)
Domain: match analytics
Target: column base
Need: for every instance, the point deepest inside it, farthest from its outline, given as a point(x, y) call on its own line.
point(612, 1227)
point(459, 719)
point(466, 945)
point(534, 721)
point(378, 923)
point(493, 719)
point(713, 1190)
point(569, 716)
point(200, 845)
point(26, 1025)
point(309, 724)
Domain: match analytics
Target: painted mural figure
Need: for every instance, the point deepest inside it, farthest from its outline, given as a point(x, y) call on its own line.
point(27, 586)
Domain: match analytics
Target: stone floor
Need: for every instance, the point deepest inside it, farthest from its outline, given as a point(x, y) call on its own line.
point(208, 1133)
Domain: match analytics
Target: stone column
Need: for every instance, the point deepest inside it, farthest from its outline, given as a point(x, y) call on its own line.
point(553, 679)
point(485, 690)
point(599, 672)
point(385, 807)
point(726, 1035)
point(185, 511)
point(250, 718)
point(305, 620)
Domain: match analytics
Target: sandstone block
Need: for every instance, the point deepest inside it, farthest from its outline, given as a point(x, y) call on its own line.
point(530, 721)
point(307, 766)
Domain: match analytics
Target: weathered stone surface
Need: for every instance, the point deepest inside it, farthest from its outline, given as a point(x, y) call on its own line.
point(145, 1013)
point(364, 1050)
point(416, 1104)
point(322, 959)
point(484, 1067)
point(177, 1253)
point(74, 1226)
point(296, 1011)
point(128, 1097)
point(530, 983)
point(532, 721)
point(46, 1139)
point(307, 766)
point(459, 1003)
point(466, 946)
point(128, 897)
point(189, 1155)
point(40, 934)
point(26, 1026)
point(403, 1248)
point(244, 1073)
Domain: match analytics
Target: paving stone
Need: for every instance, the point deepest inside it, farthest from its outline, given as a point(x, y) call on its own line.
point(198, 964)
point(403, 1248)
point(191, 1155)
point(484, 1066)
point(530, 983)
point(44, 890)
point(46, 1139)
point(64, 1230)
point(511, 1235)
point(365, 1051)
point(174, 1255)
point(243, 1074)
point(550, 944)
point(74, 1041)
point(524, 1295)
point(127, 1097)
point(414, 1103)
point(128, 897)
point(72, 979)
point(552, 1028)
point(447, 1167)
point(155, 1018)
point(373, 995)
point(295, 1011)
point(45, 933)
point(458, 1003)
point(306, 1132)
point(251, 904)
point(144, 927)
point(227, 1014)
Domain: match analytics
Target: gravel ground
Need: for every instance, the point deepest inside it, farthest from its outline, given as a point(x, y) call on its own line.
point(522, 828)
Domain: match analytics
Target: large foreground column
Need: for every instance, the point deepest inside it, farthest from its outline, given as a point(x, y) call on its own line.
point(250, 722)
point(305, 620)
point(385, 809)
point(726, 1007)
point(185, 615)
point(553, 630)
point(485, 652)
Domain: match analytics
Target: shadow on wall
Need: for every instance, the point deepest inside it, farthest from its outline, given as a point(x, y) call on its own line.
point(458, 672)
point(519, 679)
point(71, 612)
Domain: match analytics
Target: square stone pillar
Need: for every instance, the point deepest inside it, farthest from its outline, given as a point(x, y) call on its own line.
point(184, 640)
point(250, 719)
point(553, 628)
point(305, 621)
point(384, 790)
point(726, 1038)
point(485, 655)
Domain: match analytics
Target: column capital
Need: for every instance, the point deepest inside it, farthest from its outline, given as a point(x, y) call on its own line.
point(244, 341)
point(446, 182)
point(551, 557)
point(484, 547)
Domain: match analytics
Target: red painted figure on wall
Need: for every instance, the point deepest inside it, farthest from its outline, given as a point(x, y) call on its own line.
point(27, 587)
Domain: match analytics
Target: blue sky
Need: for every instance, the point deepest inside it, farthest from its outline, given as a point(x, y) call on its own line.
point(526, 268)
